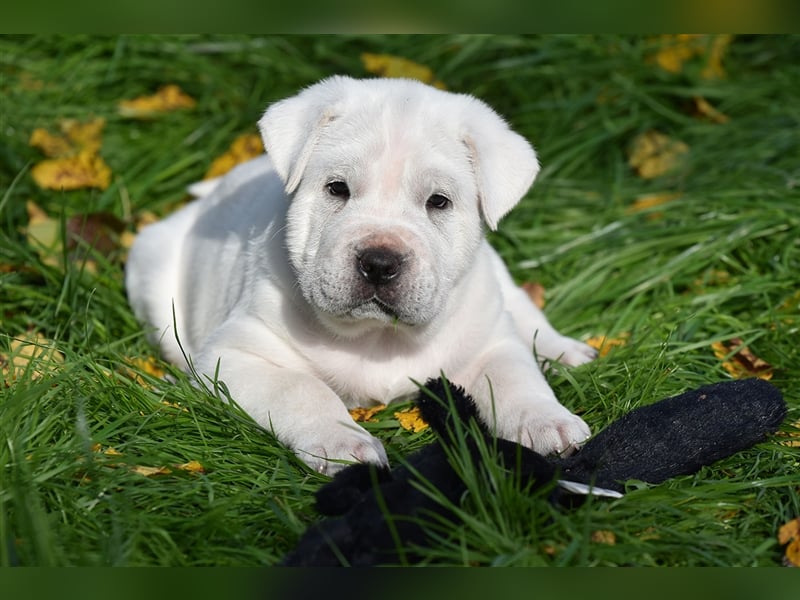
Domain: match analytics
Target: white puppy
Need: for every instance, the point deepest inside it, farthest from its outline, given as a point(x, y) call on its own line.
point(349, 262)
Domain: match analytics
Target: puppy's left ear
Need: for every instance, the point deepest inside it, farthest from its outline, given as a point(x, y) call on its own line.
point(505, 164)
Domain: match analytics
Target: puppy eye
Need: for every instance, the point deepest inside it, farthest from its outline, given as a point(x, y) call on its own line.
point(438, 202)
point(338, 189)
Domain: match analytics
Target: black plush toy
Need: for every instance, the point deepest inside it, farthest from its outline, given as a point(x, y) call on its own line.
point(676, 436)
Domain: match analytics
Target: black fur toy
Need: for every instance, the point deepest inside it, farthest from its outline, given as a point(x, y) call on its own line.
point(672, 437)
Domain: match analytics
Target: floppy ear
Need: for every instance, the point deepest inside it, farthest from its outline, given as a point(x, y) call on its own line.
point(505, 164)
point(290, 128)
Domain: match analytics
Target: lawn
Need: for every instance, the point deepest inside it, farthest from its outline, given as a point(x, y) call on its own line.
point(678, 259)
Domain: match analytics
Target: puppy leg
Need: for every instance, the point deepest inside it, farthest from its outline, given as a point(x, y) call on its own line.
point(300, 410)
point(516, 402)
point(534, 328)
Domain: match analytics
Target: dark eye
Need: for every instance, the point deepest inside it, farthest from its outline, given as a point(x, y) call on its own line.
point(338, 189)
point(438, 202)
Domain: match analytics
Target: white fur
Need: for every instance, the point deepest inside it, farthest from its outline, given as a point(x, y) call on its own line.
point(264, 275)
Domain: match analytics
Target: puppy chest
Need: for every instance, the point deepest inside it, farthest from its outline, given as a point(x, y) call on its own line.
point(364, 382)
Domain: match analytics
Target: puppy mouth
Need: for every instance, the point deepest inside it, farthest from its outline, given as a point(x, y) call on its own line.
point(375, 308)
point(382, 306)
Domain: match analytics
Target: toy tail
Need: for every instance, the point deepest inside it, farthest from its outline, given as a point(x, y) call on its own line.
point(679, 435)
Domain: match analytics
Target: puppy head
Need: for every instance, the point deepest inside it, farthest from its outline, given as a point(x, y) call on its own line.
point(504, 163)
point(390, 183)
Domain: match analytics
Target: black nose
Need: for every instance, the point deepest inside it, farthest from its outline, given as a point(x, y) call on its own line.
point(379, 265)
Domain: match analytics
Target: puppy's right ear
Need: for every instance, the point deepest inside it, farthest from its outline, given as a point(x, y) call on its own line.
point(290, 128)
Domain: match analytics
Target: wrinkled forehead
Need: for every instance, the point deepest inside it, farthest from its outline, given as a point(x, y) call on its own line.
point(396, 129)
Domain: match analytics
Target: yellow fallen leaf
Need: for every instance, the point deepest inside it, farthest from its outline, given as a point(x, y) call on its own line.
point(703, 108)
point(192, 466)
point(85, 170)
point(603, 536)
point(648, 201)
point(50, 145)
point(792, 555)
point(33, 354)
point(604, 344)
point(675, 51)
point(174, 405)
point(44, 234)
point(77, 136)
point(151, 471)
point(84, 135)
point(742, 363)
point(719, 46)
point(410, 419)
point(550, 549)
point(653, 154)
point(794, 436)
point(243, 148)
point(387, 65)
point(168, 98)
point(148, 365)
point(362, 414)
point(789, 531)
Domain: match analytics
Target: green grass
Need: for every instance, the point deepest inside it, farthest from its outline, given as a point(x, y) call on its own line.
point(606, 270)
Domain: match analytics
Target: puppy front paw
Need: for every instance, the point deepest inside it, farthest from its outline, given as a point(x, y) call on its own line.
point(576, 353)
point(339, 450)
point(549, 430)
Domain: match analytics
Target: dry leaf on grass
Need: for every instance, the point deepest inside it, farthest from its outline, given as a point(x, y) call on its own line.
point(109, 451)
point(168, 98)
point(703, 108)
point(193, 466)
point(410, 419)
point(676, 51)
point(387, 65)
point(604, 344)
point(86, 170)
point(148, 364)
point(362, 414)
point(603, 536)
point(151, 471)
point(648, 201)
point(653, 154)
point(789, 535)
point(243, 148)
point(739, 360)
point(44, 234)
point(31, 354)
point(99, 232)
point(793, 440)
point(76, 137)
point(73, 162)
